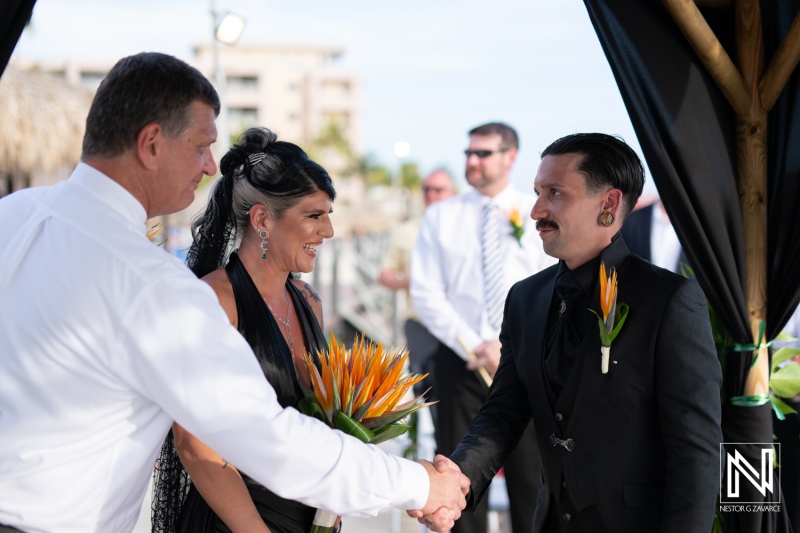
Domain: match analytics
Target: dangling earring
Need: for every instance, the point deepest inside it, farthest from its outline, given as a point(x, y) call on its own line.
point(263, 234)
point(605, 219)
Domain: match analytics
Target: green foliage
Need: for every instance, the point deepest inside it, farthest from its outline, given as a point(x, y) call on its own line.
point(388, 433)
point(783, 354)
point(607, 337)
point(785, 380)
point(412, 450)
point(351, 427)
point(332, 143)
point(409, 176)
point(782, 406)
point(377, 175)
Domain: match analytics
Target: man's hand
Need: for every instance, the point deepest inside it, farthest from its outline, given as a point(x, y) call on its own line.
point(443, 517)
point(393, 280)
point(487, 356)
point(447, 495)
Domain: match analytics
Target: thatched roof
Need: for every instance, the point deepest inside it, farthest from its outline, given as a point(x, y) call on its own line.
point(42, 119)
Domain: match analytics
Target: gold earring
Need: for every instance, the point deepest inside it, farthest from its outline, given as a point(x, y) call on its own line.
point(605, 219)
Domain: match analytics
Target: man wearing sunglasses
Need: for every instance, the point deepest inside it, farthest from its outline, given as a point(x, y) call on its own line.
point(471, 249)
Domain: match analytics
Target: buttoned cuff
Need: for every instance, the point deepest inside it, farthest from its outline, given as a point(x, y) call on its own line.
point(414, 487)
point(471, 339)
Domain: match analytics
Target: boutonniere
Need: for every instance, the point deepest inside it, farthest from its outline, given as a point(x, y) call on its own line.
point(613, 316)
point(517, 225)
point(152, 231)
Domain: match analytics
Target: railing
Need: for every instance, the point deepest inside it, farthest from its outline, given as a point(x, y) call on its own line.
point(346, 275)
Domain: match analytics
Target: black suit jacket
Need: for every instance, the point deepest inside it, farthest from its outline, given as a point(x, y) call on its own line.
point(646, 435)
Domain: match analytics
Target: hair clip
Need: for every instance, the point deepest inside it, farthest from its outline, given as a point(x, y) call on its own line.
point(255, 158)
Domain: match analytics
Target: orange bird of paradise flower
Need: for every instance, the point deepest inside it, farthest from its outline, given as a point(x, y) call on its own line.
point(364, 383)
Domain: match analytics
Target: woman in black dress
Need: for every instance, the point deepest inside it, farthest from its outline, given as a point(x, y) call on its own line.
point(274, 202)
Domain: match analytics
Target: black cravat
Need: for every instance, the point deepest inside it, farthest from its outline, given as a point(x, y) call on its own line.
point(566, 330)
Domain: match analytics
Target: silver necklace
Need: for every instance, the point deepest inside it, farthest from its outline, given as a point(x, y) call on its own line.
point(284, 322)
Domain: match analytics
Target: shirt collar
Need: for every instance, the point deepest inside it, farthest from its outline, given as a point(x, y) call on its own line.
point(659, 218)
point(111, 193)
point(588, 273)
point(504, 199)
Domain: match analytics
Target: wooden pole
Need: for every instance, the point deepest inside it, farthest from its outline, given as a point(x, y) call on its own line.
point(711, 53)
point(751, 163)
point(740, 87)
point(716, 4)
point(751, 96)
point(782, 65)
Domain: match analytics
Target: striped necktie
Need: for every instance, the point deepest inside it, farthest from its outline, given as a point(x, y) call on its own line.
point(492, 265)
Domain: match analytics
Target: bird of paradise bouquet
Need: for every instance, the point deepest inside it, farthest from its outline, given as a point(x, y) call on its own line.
point(359, 391)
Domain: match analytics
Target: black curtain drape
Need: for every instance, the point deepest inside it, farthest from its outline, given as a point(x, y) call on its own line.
point(686, 130)
point(14, 15)
point(783, 175)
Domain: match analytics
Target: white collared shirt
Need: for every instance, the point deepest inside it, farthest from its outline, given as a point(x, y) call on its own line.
point(665, 248)
point(446, 266)
point(105, 339)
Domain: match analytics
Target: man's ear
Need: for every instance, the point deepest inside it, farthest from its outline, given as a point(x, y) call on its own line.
point(613, 203)
point(512, 155)
point(149, 144)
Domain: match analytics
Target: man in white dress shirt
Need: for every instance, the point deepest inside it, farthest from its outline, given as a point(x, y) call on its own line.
point(450, 275)
point(649, 234)
point(105, 339)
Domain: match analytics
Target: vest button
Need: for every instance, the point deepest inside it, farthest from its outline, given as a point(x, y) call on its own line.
point(567, 517)
point(559, 417)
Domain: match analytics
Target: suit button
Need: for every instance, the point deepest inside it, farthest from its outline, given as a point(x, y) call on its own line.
point(559, 417)
point(567, 517)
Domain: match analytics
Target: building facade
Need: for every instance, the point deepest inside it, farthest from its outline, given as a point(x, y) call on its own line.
point(296, 91)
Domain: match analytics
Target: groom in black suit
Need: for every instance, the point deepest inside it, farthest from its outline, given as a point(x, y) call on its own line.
point(634, 449)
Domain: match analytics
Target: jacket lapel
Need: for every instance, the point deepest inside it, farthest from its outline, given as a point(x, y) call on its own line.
point(539, 399)
point(588, 355)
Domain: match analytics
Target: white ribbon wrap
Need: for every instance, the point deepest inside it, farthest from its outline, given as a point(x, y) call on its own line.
point(324, 518)
point(606, 351)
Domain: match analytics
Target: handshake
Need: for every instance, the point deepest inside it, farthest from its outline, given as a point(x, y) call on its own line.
point(447, 496)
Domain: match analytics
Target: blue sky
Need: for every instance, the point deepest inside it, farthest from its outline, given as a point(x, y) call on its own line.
point(430, 70)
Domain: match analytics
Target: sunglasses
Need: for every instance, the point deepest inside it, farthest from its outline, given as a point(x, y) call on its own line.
point(482, 154)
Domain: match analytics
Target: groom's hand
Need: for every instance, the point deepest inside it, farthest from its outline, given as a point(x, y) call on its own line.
point(443, 509)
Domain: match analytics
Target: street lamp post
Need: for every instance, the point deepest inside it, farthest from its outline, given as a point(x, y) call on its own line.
point(401, 150)
point(226, 30)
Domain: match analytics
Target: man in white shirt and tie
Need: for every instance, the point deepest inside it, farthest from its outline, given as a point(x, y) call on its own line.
point(105, 339)
point(470, 250)
point(649, 234)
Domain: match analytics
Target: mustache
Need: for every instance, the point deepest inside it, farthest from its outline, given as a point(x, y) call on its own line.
point(545, 223)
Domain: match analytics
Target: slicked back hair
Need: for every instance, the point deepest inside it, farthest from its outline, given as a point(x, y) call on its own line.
point(607, 162)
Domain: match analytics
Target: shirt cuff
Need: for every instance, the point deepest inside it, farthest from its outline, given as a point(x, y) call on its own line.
point(471, 339)
point(414, 492)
